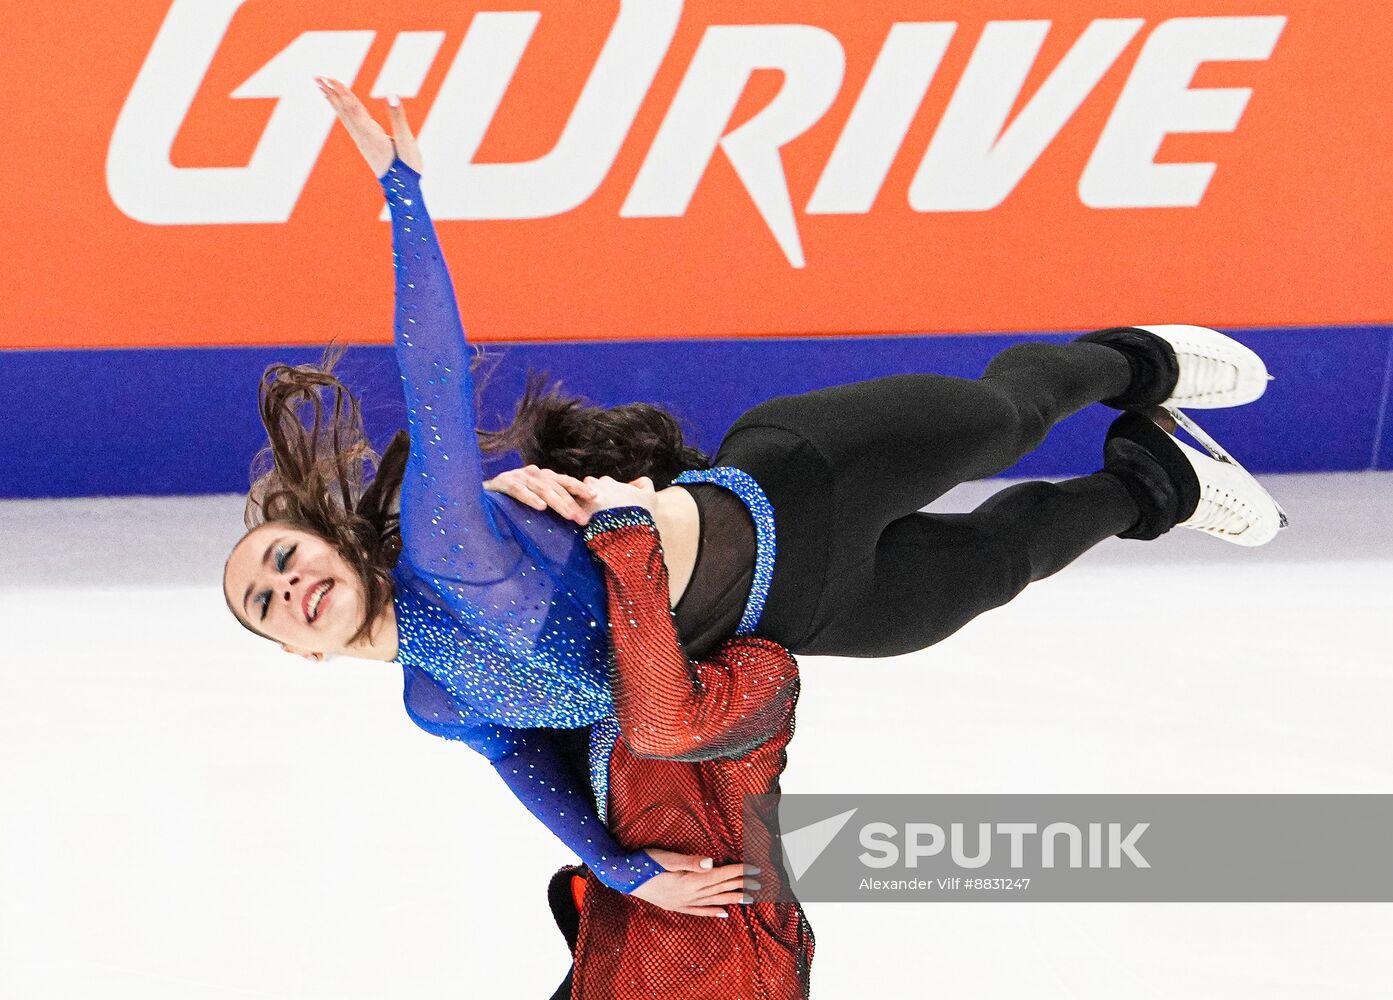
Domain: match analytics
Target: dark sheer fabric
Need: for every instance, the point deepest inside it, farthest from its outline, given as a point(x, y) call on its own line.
point(714, 601)
point(668, 705)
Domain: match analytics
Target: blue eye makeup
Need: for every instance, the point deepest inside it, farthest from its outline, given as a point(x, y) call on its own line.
point(282, 557)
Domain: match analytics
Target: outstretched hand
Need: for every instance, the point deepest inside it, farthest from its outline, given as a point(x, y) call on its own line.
point(370, 138)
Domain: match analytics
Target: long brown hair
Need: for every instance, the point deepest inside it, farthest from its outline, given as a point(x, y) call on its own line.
point(566, 434)
point(320, 472)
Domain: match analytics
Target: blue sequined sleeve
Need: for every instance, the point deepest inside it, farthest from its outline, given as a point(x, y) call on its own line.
point(531, 764)
point(500, 624)
point(445, 509)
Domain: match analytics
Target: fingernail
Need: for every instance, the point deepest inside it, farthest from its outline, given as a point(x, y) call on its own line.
point(752, 870)
point(723, 915)
point(394, 100)
point(706, 862)
point(753, 886)
point(747, 899)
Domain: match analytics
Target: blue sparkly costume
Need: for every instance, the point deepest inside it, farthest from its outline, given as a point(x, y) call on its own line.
point(501, 611)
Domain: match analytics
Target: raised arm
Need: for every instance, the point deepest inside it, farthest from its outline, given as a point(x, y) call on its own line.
point(667, 705)
point(445, 509)
point(531, 764)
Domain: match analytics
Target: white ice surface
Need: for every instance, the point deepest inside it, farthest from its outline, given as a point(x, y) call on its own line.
point(188, 814)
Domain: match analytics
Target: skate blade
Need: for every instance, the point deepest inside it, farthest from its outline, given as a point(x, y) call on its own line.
point(1217, 452)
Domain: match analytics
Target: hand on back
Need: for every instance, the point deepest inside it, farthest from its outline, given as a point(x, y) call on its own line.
point(610, 492)
point(692, 885)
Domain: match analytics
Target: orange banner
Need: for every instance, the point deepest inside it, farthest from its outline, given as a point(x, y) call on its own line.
point(651, 168)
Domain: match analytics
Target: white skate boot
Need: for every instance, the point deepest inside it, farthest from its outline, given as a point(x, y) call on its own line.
point(1215, 370)
point(1233, 505)
point(1221, 497)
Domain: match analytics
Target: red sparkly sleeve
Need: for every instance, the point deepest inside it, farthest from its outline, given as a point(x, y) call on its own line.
point(669, 706)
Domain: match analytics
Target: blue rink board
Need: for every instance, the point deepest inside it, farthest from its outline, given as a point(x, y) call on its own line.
point(184, 421)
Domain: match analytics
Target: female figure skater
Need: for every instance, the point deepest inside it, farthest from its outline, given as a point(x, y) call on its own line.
point(497, 613)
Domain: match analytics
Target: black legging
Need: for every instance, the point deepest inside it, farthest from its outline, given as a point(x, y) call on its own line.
point(859, 572)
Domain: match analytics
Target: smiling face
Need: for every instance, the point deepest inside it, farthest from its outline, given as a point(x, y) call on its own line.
point(294, 587)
